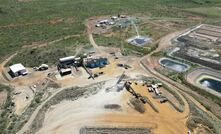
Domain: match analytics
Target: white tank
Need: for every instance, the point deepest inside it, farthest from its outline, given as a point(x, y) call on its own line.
point(67, 58)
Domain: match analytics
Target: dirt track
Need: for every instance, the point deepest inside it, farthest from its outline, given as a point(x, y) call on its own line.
point(146, 64)
point(2, 68)
point(36, 45)
point(127, 119)
point(158, 121)
point(2, 65)
point(69, 116)
point(62, 117)
point(52, 21)
point(91, 39)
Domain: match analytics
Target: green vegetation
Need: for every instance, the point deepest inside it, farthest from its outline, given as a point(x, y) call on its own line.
point(198, 117)
point(204, 93)
point(204, 97)
point(6, 110)
point(71, 93)
point(24, 23)
point(126, 48)
point(176, 77)
point(171, 74)
point(209, 101)
point(12, 39)
point(159, 54)
point(201, 1)
point(206, 11)
point(108, 41)
point(141, 50)
point(174, 93)
point(10, 123)
point(3, 88)
point(51, 53)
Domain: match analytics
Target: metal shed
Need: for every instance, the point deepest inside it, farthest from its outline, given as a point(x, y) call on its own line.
point(18, 69)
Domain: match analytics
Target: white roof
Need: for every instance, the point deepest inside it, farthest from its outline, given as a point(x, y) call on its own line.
point(103, 21)
point(65, 70)
point(154, 86)
point(43, 65)
point(17, 67)
point(98, 25)
point(157, 91)
point(66, 58)
point(114, 17)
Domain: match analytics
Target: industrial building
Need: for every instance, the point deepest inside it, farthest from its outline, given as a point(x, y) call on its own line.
point(95, 62)
point(17, 70)
point(66, 64)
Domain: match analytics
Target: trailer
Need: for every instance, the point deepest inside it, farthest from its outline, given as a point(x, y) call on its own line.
point(157, 92)
point(64, 72)
point(150, 89)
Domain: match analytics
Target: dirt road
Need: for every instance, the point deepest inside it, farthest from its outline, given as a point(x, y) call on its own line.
point(121, 119)
point(39, 22)
point(145, 62)
point(2, 68)
point(2, 65)
point(35, 45)
point(89, 26)
point(69, 116)
point(34, 114)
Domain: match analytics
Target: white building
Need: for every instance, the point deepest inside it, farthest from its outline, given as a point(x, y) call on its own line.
point(18, 69)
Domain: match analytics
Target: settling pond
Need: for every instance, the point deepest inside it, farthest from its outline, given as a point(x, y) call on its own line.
point(209, 82)
point(139, 40)
point(173, 64)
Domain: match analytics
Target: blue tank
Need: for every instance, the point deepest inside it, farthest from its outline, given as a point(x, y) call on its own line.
point(97, 63)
